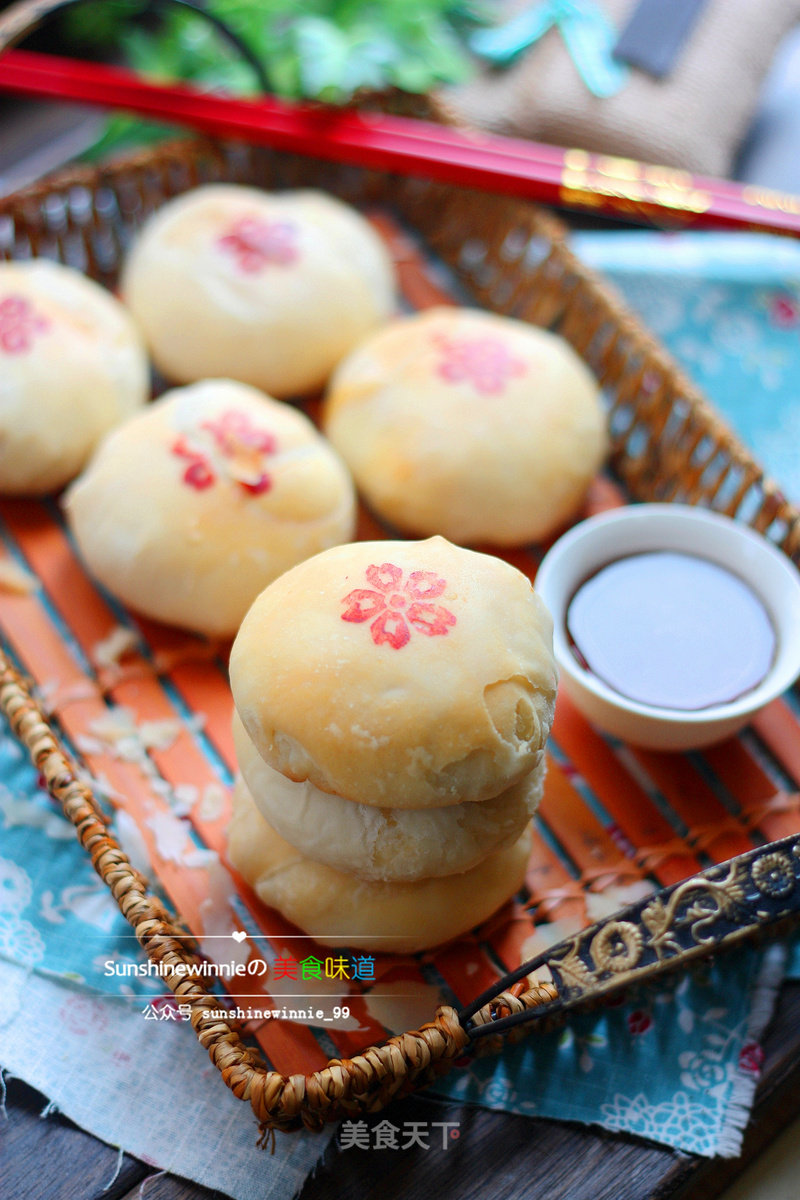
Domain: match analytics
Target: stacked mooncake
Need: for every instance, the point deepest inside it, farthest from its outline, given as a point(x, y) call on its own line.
point(393, 701)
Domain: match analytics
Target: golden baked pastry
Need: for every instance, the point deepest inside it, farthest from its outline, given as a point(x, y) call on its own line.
point(191, 508)
point(398, 674)
point(272, 289)
point(337, 909)
point(471, 425)
point(401, 844)
point(72, 366)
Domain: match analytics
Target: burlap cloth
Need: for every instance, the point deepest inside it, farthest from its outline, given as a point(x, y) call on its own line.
point(695, 118)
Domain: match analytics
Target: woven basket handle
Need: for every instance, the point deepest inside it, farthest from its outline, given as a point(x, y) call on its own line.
point(25, 17)
point(366, 1082)
point(721, 906)
point(754, 894)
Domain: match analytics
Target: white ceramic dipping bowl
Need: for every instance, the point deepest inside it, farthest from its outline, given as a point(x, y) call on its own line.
point(646, 527)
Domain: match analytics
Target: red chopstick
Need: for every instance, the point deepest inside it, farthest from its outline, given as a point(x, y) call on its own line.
point(572, 179)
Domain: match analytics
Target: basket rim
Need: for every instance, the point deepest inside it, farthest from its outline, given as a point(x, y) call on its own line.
point(372, 1078)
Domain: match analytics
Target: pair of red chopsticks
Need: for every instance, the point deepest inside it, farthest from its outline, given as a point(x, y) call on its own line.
point(573, 179)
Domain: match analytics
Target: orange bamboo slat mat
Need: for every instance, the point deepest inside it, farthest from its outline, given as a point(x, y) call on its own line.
point(612, 820)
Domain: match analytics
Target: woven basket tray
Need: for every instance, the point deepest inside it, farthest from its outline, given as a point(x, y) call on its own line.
point(450, 245)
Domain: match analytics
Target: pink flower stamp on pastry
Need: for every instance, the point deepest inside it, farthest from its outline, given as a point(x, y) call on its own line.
point(230, 445)
point(257, 244)
point(394, 606)
point(484, 362)
point(19, 323)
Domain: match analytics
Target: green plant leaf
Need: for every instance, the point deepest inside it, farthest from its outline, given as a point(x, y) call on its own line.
point(330, 50)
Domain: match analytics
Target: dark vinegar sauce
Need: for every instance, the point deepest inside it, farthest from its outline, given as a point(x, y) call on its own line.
point(671, 630)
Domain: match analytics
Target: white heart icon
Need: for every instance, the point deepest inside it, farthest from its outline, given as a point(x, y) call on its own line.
point(238, 935)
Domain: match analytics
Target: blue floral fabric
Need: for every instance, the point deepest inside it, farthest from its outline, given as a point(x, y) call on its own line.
point(675, 1064)
point(56, 914)
point(727, 306)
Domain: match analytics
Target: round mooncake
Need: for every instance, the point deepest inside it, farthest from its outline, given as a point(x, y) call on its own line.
point(398, 674)
point(191, 508)
point(272, 289)
point(463, 423)
point(401, 844)
point(72, 366)
point(393, 700)
point(338, 909)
